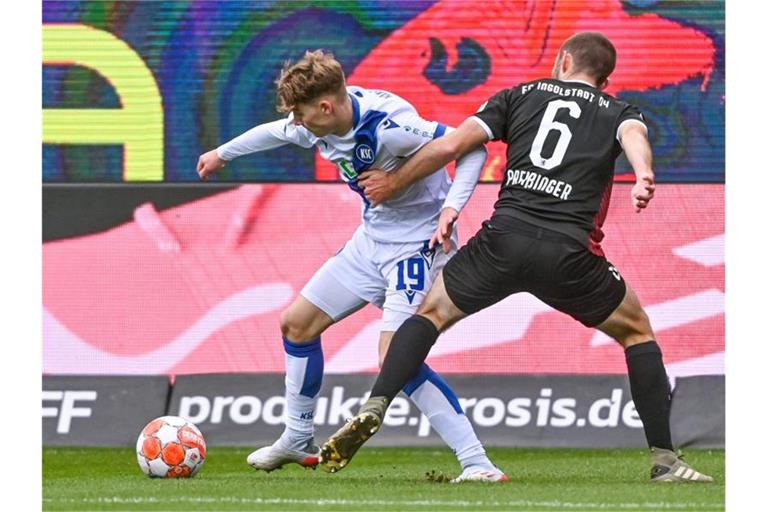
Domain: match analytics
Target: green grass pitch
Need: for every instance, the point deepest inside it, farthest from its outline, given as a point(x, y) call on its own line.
point(390, 479)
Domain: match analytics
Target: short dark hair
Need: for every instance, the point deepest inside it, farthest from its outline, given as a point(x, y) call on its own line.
point(592, 53)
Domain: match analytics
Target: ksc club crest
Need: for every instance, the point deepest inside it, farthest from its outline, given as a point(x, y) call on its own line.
point(364, 153)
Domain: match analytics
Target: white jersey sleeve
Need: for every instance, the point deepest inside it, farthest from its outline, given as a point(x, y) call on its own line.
point(407, 132)
point(267, 136)
point(468, 170)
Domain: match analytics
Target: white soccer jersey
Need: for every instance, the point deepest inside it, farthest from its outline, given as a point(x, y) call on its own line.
point(386, 130)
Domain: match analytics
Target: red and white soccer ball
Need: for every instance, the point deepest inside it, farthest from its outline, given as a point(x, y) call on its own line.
point(170, 447)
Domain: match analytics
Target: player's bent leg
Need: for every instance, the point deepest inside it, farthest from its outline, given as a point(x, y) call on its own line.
point(438, 402)
point(649, 385)
point(340, 287)
point(408, 350)
point(628, 324)
point(414, 338)
point(302, 321)
point(301, 325)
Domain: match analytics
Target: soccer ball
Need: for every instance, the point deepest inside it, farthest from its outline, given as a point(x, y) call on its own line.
point(170, 447)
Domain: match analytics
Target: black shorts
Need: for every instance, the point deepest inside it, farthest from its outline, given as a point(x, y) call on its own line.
point(508, 256)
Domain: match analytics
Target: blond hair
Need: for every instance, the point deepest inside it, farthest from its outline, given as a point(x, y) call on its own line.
point(317, 73)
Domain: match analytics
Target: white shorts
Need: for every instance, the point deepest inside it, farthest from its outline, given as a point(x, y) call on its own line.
point(394, 277)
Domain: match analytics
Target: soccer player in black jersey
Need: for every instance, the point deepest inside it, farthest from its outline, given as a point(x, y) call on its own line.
point(563, 136)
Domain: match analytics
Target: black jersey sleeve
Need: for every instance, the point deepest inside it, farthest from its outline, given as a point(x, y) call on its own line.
point(494, 113)
point(629, 113)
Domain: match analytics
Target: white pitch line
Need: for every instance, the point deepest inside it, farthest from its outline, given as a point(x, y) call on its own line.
point(554, 504)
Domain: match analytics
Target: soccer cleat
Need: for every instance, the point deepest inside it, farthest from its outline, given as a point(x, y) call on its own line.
point(480, 474)
point(669, 467)
point(275, 456)
point(339, 449)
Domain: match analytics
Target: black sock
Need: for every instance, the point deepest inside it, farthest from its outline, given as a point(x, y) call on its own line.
point(650, 392)
point(407, 351)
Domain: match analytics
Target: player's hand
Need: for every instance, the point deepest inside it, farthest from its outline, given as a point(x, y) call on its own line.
point(209, 163)
point(377, 185)
point(642, 192)
point(444, 229)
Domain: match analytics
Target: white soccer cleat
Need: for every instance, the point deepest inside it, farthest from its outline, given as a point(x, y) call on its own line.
point(275, 456)
point(481, 474)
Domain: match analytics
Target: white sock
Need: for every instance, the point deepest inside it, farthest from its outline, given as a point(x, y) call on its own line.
point(303, 378)
point(439, 404)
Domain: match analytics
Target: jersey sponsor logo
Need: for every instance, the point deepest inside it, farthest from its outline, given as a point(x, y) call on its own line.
point(349, 175)
point(347, 170)
point(416, 131)
point(364, 153)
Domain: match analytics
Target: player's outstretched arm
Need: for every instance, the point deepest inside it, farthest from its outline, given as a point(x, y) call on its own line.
point(380, 186)
point(259, 138)
point(634, 140)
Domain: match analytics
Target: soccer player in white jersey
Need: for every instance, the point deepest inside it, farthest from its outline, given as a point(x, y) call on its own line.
point(390, 261)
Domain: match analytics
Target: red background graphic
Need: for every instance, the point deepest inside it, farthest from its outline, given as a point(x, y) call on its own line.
point(522, 40)
point(199, 288)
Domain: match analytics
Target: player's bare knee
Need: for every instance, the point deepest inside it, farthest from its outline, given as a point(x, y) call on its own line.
point(440, 312)
point(637, 321)
point(286, 325)
point(633, 330)
point(293, 328)
point(427, 309)
point(430, 311)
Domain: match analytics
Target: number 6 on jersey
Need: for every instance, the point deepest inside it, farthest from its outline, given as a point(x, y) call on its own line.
point(549, 124)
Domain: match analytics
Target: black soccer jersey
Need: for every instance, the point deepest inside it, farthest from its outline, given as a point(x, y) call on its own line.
point(561, 149)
